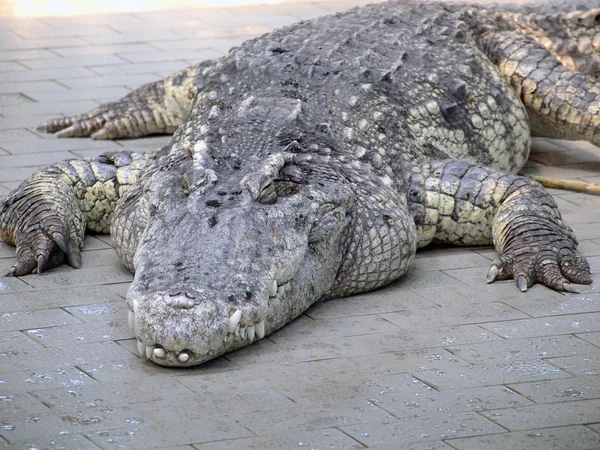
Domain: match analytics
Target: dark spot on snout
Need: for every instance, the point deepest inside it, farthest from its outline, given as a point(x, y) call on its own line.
point(213, 221)
point(248, 295)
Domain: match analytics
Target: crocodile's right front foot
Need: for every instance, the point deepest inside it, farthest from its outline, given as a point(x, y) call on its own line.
point(41, 218)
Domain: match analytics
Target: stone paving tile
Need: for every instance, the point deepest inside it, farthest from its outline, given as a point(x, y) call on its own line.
point(399, 433)
point(248, 402)
point(17, 173)
point(281, 377)
point(415, 279)
point(53, 298)
point(463, 295)
point(177, 431)
point(388, 363)
point(478, 375)
point(21, 320)
point(15, 135)
point(59, 442)
point(11, 67)
point(301, 348)
point(31, 380)
point(62, 336)
point(100, 94)
point(578, 365)
point(323, 438)
point(117, 369)
point(512, 350)
point(55, 108)
point(328, 393)
point(312, 417)
point(382, 301)
point(592, 338)
point(42, 359)
point(594, 426)
point(415, 339)
point(338, 326)
point(562, 390)
point(569, 437)
point(128, 69)
point(132, 81)
point(68, 277)
point(453, 315)
point(405, 405)
point(109, 50)
point(27, 121)
point(546, 415)
point(51, 74)
point(555, 305)
point(547, 326)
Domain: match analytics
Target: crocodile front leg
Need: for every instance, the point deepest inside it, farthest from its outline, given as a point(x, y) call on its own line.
point(154, 108)
point(464, 203)
point(47, 215)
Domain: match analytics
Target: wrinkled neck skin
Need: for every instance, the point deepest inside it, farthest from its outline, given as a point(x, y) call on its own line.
point(224, 264)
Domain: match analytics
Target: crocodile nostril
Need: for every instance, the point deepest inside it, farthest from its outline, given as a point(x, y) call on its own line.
point(183, 298)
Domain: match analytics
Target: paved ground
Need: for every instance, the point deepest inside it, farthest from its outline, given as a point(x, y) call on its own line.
point(438, 360)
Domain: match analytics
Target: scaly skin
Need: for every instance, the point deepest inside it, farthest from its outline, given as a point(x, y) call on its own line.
point(313, 161)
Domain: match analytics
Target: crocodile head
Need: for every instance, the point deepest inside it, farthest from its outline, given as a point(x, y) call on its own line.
point(220, 268)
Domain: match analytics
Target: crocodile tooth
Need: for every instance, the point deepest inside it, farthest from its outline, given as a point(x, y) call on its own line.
point(243, 332)
point(273, 289)
point(141, 348)
point(237, 330)
point(183, 357)
point(159, 353)
point(284, 287)
point(260, 329)
point(135, 305)
point(131, 319)
point(234, 320)
point(149, 350)
point(250, 331)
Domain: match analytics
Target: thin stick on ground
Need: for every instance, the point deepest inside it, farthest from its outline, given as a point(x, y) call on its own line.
point(568, 185)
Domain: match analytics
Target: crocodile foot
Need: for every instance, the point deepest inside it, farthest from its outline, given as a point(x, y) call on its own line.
point(555, 269)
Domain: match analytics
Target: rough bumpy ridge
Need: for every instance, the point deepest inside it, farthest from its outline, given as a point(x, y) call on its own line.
point(311, 162)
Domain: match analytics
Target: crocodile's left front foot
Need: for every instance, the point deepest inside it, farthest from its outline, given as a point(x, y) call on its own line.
point(552, 265)
point(535, 244)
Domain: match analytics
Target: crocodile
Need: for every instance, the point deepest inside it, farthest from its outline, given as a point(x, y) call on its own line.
point(311, 163)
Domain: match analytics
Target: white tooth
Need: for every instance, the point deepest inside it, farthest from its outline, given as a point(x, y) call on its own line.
point(149, 350)
point(141, 348)
point(250, 332)
point(183, 357)
point(159, 353)
point(234, 320)
point(273, 289)
point(243, 332)
point(260, 329)
point(237, 330)
point(135, 305)
point(131, 319)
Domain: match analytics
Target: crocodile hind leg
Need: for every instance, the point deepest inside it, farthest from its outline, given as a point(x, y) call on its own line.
point(47, 215)
point(560, 102)
point(464, 203)
point(573, 37)
point(154, 108)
